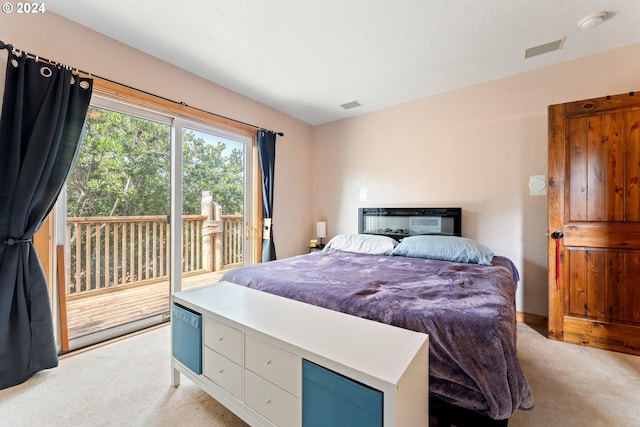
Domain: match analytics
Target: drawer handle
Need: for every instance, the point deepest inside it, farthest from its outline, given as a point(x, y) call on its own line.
point(221, 338)
point(267, 402)
point(267, 363)
point(220, 371)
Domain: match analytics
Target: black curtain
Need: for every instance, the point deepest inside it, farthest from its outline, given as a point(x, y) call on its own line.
point(267, 154)
point(43, 112)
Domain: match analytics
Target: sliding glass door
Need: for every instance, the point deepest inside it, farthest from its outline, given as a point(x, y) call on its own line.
point(117, 233)
point(214, 202)
point(154, 204)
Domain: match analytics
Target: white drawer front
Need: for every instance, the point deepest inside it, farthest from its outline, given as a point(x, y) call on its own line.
point(223, 372)
point(273, 363)
point(223, 339)
point(273, 403)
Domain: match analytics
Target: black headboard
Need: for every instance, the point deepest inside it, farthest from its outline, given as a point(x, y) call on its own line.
point(403, 222)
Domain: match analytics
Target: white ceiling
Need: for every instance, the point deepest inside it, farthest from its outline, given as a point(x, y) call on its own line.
point(306, 58)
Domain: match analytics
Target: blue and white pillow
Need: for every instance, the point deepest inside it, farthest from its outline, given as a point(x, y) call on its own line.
point(445, 248)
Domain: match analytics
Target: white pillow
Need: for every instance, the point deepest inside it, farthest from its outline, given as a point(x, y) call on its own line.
point(363, 243)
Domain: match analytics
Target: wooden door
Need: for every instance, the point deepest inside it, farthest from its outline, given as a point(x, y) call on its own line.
point(594, 201)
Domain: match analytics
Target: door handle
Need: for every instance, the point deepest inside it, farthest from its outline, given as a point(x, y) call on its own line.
point(557, 236)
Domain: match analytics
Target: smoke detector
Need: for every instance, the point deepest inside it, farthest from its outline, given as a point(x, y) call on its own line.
point(592, 20)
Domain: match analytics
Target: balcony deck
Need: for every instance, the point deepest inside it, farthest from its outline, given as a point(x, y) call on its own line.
point(94, 311)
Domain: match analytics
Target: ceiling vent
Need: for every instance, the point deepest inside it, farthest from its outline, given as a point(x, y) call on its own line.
point(544, 48)
point(350, 105)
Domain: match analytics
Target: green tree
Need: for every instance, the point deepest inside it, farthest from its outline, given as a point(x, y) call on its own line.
point(205, 167)
point(123, 169)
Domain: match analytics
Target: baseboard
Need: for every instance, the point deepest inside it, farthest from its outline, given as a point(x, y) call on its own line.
point(532, 319)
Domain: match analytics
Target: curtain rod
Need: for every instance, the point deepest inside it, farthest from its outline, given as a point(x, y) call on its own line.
point(37, 58)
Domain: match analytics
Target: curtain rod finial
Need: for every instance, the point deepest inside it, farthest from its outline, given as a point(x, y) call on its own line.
point(3, 45)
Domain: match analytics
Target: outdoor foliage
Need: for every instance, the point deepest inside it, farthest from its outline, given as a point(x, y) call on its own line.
point(123, 169)
point(205, 167)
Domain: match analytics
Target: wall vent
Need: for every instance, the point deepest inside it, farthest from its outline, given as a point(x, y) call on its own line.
point(544, 48)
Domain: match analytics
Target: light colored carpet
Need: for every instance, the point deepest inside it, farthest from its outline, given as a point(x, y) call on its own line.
point(127, 383)
point(577, 386)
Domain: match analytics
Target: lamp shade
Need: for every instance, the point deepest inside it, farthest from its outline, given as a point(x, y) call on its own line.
point(321, 229)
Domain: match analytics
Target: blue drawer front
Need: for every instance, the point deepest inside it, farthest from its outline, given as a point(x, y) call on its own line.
point(330, 399)
point(186, 326)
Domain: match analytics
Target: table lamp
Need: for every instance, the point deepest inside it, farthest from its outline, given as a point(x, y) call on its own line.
point(321, 232)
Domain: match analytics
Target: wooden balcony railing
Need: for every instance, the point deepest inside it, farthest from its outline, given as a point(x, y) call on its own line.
point(106, 252)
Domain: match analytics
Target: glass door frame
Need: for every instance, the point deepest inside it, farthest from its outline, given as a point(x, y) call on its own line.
point(148, 110)
point(60, 218)
point(176, 189)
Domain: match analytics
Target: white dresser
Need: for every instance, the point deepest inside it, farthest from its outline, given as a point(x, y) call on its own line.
point(262, 356)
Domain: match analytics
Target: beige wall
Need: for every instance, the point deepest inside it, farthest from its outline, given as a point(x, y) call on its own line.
point(58, 39)
point(474, 148)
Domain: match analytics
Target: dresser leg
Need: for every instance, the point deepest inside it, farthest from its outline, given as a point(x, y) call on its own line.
point(175, 377)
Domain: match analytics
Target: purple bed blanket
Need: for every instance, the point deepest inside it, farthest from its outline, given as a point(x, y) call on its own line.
point(468, 311)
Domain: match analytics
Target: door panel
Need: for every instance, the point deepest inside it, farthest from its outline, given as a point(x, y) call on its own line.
point(578, 165)
point(117, 236)
point(632, 170)
point(597, 173)
point(594, 201)
point(213, 163)
point(602, 299)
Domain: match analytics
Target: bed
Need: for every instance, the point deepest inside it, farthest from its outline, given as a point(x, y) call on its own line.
point(433, 281)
